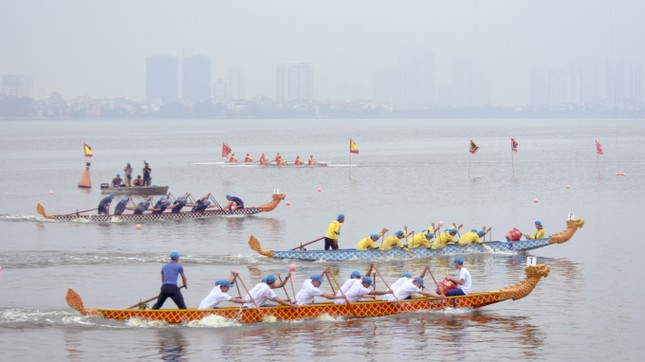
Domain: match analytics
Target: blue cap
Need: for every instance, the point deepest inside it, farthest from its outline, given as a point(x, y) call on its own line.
point(112, 194)
point(162, 198)
point(340, 216)
point(453, 230)
point(374, 236)
point(429, 235)
point(458, 260)
point(269, 279)
point(473, 230)
point(223, 283)
point(367, 280)
point(124, 199)
point(355, 274)
point(538, 222)
point(420, 281)
point(168, 202)
point(316, 278)
point(481, 233)
point(207, 202)
point(228, 196)
point(174, 255)
point(117, 175)
point(399, 233)
point(407, 275)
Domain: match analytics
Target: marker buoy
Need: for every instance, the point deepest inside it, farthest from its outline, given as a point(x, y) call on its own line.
point(620, 173)
point(292, 268)
point(535, 201)
point(440, 223)
point(567, 186)
point(51, 192)
point(138, 227)
point(288, 203)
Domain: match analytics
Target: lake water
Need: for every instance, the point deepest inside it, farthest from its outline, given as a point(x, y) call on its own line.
point(408, 173)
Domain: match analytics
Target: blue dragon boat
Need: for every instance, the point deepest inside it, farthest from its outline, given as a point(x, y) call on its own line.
point(299, 253)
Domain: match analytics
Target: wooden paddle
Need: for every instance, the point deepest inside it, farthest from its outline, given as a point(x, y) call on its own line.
point(252, 299)
point(303, 245)
point(80, 212)
point(284, 288)
point(351, 307)
point(384, 282)
point(148, 300)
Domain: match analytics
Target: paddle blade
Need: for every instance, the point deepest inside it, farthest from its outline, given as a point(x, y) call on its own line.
point(255, 245)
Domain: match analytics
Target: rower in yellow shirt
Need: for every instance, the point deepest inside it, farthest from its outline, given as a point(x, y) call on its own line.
point(445, 238)
point(540, 233)
point(423, 239)
point(472, 237)
point(394, 240)
point(369, 242)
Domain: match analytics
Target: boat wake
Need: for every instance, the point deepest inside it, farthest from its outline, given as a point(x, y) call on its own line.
point(24, 218)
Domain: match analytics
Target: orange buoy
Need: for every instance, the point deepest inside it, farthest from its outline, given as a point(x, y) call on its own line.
point(620, 173)
point(85, 181)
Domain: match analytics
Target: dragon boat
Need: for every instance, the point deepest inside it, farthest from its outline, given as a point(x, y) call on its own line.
point(300, 253)
point(166, 215)
point(361, 309)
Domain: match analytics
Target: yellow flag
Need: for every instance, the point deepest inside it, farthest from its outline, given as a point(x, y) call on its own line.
point(352, 146)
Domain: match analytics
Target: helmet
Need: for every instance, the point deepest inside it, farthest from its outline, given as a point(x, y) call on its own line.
point(458, 260)
point(223, 283)
point(420, 281)
point(316, 278)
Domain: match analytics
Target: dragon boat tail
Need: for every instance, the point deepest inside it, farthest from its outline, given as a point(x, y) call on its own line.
point(167, 215)
point(300, 253)
point(362, 309)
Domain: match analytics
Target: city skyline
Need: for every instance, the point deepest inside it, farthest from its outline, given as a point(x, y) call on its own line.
point(92, 56)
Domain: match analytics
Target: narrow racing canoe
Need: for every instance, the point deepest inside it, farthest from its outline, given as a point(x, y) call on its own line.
point(418, 253)
point(362, 309)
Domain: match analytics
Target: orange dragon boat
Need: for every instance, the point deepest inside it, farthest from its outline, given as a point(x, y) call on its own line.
point(362, 309)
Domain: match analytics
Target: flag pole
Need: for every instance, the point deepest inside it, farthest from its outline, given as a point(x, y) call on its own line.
point(513, 162)
point(470, 160)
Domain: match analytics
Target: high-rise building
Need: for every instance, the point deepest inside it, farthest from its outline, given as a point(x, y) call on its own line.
point(385, 83)
point(196, 78)
point(294, 82)
point(220, 92)
point(162, 78)
point(235, 85)
point(417, 83)
point(17, 85)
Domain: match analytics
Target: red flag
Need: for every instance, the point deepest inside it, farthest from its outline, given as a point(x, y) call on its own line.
point(352, 146)
point(226, 149)
point(87, 150)
point(514, 145)
point(599, 149)
point(473, 147)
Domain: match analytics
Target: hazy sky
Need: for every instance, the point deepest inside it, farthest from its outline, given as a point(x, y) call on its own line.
point(98, 48)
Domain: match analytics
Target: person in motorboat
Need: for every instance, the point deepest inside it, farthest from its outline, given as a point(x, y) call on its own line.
point(104, 204)
point(138, 181)
point(369, 242)
point(147, 179)
point(127, 174)
point(117, 181)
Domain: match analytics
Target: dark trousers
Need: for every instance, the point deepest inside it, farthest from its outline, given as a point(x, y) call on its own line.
point(329, 243)
point(170, 291)
point(453, 293)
